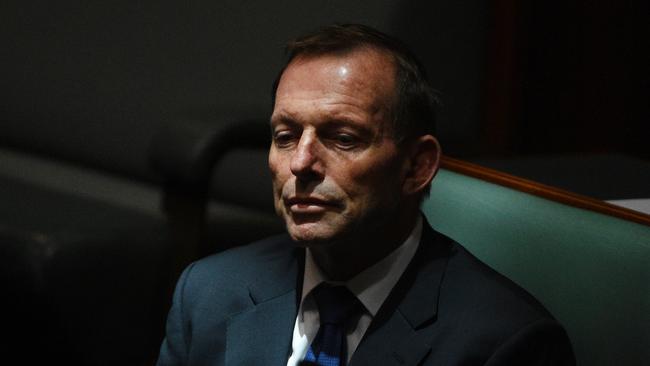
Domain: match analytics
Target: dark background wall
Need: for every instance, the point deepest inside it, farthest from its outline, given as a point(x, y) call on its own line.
point(90, 82)
point(584, 79)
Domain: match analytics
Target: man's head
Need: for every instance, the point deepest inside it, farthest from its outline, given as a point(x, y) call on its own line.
point(413, 108)
point(353, 150)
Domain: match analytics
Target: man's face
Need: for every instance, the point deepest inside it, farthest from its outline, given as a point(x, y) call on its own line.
point(337, 172)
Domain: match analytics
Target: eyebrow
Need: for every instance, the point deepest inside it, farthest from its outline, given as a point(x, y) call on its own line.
point(282, 117)
point(341, 121)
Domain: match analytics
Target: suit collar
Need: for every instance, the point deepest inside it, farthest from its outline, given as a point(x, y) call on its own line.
point(261, 334)
point(283, 272)
point(420, 302)
point(412, 305)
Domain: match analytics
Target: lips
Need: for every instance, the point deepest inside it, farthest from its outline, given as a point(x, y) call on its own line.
point(309, 204)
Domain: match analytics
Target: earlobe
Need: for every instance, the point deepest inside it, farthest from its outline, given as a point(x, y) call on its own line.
point(424, 159)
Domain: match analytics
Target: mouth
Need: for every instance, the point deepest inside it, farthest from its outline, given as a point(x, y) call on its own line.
point(309, 205)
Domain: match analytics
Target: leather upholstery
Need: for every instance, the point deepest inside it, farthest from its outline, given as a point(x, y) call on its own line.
point(590, 270)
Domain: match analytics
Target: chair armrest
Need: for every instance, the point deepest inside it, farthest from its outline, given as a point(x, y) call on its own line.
point(184, 154)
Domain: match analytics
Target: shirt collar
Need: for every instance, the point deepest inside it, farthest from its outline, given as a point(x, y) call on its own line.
point(373, 285)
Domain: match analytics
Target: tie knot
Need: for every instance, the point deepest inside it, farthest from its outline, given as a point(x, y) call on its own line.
point(336, 304)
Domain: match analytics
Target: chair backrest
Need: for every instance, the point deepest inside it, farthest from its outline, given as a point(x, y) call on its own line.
point(591, 270)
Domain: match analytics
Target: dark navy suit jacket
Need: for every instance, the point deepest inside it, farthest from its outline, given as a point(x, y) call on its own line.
point(239, 308)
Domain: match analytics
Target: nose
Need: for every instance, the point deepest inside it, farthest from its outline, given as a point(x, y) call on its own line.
point(306, 163)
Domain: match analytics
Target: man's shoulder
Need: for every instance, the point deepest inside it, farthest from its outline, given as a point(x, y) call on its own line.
point(245, 262)
point(220, 283)
point(481, 314)
point(481, 297)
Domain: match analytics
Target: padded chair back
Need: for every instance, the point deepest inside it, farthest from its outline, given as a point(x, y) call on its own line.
point(592, 271)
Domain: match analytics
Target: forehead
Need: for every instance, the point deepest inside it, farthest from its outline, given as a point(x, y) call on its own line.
point(364, 77)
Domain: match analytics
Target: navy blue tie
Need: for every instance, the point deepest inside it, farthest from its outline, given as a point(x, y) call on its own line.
point(336, 306)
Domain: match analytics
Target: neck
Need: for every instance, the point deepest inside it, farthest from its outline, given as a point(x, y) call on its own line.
point(344, 259)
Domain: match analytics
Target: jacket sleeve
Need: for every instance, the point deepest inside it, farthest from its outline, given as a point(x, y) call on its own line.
point(543, 342)
point(175, 346)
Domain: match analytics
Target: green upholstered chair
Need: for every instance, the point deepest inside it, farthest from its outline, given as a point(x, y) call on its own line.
point(591, 270)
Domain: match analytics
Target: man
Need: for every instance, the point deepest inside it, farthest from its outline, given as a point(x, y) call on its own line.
point(361, 278)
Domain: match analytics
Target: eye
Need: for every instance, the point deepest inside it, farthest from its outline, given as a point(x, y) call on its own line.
point(283, 138)
point(345, 140)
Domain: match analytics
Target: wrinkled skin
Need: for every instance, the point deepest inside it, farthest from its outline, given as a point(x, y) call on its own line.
point(340, 180)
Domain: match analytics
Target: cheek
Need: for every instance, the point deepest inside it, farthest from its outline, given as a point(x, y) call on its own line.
point(275, 167)
point(280, 174)
point(277, 182)
point(375, 183)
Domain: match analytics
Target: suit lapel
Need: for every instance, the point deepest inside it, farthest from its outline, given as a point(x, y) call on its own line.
point(395, 342)
point(261, 334)
point(394, 337)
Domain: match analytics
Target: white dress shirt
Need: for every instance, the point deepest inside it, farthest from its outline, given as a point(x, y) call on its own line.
point(371, 287)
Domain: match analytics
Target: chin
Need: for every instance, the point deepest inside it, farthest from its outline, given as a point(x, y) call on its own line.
point(310, 235)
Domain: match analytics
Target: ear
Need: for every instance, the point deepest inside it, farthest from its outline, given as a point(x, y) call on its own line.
point(424, 161)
